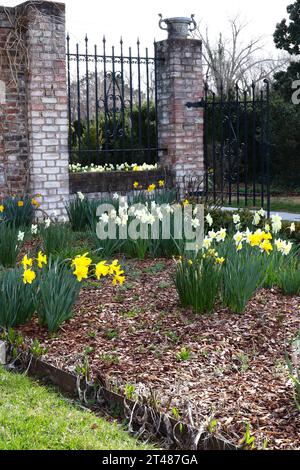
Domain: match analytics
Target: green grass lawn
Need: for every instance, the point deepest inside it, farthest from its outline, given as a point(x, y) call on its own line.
point(33, 417)
point(278, 204)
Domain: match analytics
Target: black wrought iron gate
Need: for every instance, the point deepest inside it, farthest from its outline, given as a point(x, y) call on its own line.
point(237, 146)
point(112, 105)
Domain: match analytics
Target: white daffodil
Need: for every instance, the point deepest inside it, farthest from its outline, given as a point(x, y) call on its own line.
point(47, 223)
point(221, 235)
point(256, 219)
point(276, 223)
point(34, 230)
point(207, 243)
point(209, 220)
point(262, 213)
point(236, 219)
point(293, 228)
point(21, 236)
point(80, 196)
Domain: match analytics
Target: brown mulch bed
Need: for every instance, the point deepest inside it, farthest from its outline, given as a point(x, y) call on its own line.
point(236, 373)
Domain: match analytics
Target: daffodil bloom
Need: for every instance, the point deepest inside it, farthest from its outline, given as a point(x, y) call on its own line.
point(209, 220)
point(1, 208)
point(276, 223)
point(81, 272)
point(283, 247)
point(35, 203)
point(266, 246)
point(118, 279)
point(20, 204)
point(161, 184)
point(151, 188)
point(102, 269)
point(186, 203)
point(28, 276)
point(266, 236)
point(27, 262)
point(21, 236)
point(236, 219)
point(256, 219)
point(221, 235)
point(293, 228)
point(190, 262)
point(239, 247)
point(238, 237)
point(220, 261)
point(34, 229)
point(136, 185)
point(207, 243)
point(262, 213)
point(82, 261)
point(41, 259)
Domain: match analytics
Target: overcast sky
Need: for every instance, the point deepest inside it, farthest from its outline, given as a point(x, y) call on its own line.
point(139, 18)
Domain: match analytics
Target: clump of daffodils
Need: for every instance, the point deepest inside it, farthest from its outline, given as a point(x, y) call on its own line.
point(82, 267)
point(29, 275)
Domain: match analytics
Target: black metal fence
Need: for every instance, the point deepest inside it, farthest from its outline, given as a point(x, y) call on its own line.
point(112, 105)
point(237, 146)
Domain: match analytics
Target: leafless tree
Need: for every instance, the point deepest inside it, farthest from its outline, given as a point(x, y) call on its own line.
point(231, 60)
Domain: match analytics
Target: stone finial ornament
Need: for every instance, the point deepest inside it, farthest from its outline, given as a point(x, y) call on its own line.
point(178, 28)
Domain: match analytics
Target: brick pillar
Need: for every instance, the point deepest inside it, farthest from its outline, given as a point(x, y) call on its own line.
point(180, 130)
point(35, 135)
point(47, 105)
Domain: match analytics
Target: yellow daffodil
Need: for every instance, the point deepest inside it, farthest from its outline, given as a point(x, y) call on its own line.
point(220, 261)
point(35, 203)
point(136, 185)
point(41, 259)
point(82, 261)
point(186, 203)
point(239, 247)
point(255, 239)
point(81, 272)
point(136, 168)
point(266, 246)
point(81, 264)
point(102, 269)
point(27, 262)
point(161, 184)
point(118, 279)
point(151, 188)
point(266, 236)
point(1, 208)
point(20, 204)
point(28, 276)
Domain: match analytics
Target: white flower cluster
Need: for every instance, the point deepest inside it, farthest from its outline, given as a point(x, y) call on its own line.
point(78, 168)
point(283, 247)
point(212, 236)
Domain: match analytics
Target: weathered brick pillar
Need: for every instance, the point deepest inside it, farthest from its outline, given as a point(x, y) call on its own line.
point(47, 105)
point(34, 109)
point(180, 130)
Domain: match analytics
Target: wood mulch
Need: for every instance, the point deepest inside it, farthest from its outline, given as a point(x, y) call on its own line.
point(236, 373)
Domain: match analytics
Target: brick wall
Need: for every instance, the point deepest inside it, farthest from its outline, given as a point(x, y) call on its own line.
point(34, 141)
point(13, 112)
point(180, 130)
point(118, 181)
